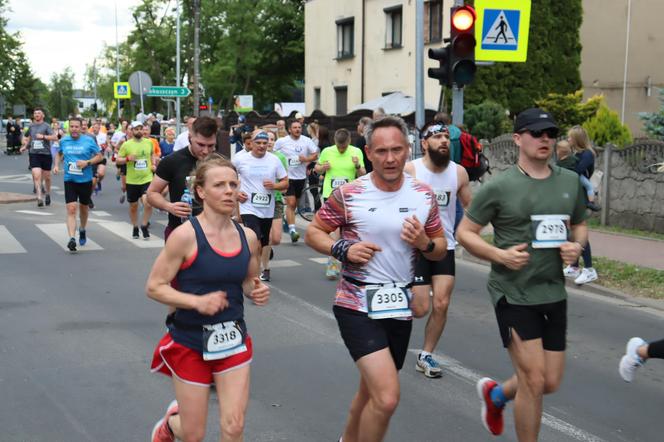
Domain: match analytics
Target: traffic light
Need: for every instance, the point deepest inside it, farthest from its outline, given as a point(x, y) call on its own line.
point(462, 45)
point(442, 72)
point(202, 107)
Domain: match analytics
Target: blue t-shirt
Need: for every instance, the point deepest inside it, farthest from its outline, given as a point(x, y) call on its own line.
point(82, 148)
point(166, 148)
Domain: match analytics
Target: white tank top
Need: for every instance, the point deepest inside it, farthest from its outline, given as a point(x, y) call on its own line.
point(445, 185)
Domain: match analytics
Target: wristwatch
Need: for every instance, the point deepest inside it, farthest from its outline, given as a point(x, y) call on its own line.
point(430, 247)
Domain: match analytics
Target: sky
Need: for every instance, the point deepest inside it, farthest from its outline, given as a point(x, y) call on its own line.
point(50, 28)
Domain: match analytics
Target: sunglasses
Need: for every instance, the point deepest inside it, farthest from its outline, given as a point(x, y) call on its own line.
point(551, 132)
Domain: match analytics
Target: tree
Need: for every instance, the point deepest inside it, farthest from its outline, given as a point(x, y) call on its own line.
point(605, 127)
point(61, 100)
point(487, 120)
point(653, 122)
point(554, 57)
point(569, 109)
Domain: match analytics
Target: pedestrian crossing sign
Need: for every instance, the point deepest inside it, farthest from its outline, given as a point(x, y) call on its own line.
point(121, 90)
point(502, 30)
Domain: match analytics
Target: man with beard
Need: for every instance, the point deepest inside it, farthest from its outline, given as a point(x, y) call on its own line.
point(38, 141)
point(449, 182)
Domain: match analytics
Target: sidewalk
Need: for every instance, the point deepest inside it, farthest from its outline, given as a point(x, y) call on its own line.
point(11, 197)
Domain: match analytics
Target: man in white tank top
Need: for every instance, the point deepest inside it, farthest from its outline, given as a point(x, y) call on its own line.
point(449, 182)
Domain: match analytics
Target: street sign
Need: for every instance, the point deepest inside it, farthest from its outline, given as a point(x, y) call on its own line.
point(121, 90)
point(502, 30)
point(140, 82)
point(168, 91)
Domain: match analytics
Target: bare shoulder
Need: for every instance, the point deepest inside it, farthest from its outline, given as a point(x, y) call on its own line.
point(462, 175)
point(252, 239)
point(182, 237)
point(410, 169)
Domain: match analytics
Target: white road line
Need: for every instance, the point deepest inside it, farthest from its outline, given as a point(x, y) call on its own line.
point(282, 263)
point(319, 260)
point(123, 230)
point(59, 192)
point(9, 244)
point(58, 233)
point(100, 213)
point(34, 212)
point(464, 373)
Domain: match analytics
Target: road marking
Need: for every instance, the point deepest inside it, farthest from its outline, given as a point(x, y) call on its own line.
point(282, 263)
point(58, 233)
point(322, 260)
point(123, 230)
point(34, 212)
point(9, 244)
point(59, 192)
point(23, 178)
point(101, 213)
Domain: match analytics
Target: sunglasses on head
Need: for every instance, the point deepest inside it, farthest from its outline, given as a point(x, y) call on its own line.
point(550, 132)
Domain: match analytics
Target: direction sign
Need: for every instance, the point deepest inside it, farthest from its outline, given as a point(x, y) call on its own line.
point(502, 30)
point(121, 90)
point(140, 82)
point(168, 91)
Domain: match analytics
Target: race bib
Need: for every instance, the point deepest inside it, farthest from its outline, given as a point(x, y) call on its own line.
point(388, 301)
point(37, 145)
point(549, 231)
point(73, 169)
point(141, 164)
point(337, 182)
point(261, 199)
point(443, 197)
point(222, 340)
point(293, 162)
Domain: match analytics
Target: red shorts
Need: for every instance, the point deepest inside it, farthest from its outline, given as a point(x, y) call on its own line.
point(173, 359)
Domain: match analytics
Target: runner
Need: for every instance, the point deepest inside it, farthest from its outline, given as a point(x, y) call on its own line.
point(99, 168)
point(119, 137)
point(449, 182)
point(138, 155)
point(214, 261)
point(156, 150)
point(38, 140)
point(637, 353)
point(299, 150)
point(80, 154)
point(261, 173)
point(173, 173)
point(379, 216)
point(340, 164)
point(538, 216)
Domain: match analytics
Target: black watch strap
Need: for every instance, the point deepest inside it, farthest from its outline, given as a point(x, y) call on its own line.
point(430, 247)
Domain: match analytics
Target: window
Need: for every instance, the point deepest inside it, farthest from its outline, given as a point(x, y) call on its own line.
point(393, 17)
point(341, 95)
point(433, 21)
point(345, 37)
point(316, 98)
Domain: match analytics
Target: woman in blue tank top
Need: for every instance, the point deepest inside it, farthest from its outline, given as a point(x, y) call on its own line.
point(204, 271)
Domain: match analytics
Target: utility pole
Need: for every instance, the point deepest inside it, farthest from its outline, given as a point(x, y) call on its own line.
point(94, 79)
point(197, 28)
point(177, 66)
point(457, 93)
point(117, 57)
point(419, 70)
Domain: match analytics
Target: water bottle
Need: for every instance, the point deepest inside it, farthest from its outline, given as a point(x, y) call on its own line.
point(186, 198)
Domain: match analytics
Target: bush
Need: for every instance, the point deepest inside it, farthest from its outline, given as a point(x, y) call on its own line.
point(605, 127)
point(568, 109)
point(653, 122)
point(487, 120)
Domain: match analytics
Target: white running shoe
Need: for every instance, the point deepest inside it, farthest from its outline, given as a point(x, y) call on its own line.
point(587, 275)
point(631, 361)
point(429, 366)
point(571, 272)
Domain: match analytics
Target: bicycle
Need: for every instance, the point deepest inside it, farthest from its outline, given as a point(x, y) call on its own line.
point(310, 201)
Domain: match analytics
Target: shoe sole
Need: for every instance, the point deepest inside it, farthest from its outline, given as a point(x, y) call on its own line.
point(480, 393)
point(428, 372)
point(620, 371)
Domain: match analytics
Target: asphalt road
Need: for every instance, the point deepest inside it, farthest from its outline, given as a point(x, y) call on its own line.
point(77, 334)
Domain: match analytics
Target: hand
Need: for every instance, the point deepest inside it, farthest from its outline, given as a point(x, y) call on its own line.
point(413, 233)
point(55, 170)
point(180, 209)
point(23, 149)
point(303, 159)
point(515, 258)
point(81, 164)
point(361, 252)
point(211, 303)
point(39, 136)
point(356, 160)
point(260, 294)
point(130, 157)
point(326, 166)
point(570, 252)
point(242, 197)
point(269, 185)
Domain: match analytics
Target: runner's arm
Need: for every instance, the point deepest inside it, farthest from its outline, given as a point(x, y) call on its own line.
point(464, 193)
point(252, 287)
point(571, 250)
point(282, 184)
point(157, 199)
point(317, 236)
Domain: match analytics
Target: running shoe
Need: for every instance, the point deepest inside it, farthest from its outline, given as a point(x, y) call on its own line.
point(492, 416)
point(47, 199)
point(145, 232)
point(40, 202)
point(122, 198)
point(631, 361)
point(571, 272)
point(161, 431)
point(294, 236)
point(134, 232)
point(587, 275)
point(91, 205)
point(82, 238)
point(429, 366)
point(265, 275)
point(71, 245)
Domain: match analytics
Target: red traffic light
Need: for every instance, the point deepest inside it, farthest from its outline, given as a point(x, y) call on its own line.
point(463, 18)
point(202, 107)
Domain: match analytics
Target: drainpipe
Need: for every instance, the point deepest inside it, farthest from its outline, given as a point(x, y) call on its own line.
point(364, 4)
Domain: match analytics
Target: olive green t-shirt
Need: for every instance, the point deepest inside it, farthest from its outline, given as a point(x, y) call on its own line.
point(278, 196)
point(507, 202)
point(568, 163)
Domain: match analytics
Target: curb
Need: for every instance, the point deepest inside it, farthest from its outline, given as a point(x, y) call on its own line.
point(10, 197)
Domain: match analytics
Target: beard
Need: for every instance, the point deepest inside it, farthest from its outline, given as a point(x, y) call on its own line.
point(440, 159)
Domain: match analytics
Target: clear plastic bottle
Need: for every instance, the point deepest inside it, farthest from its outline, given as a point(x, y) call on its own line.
point(186, 198)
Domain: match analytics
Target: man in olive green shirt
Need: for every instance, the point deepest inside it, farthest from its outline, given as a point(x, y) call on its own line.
point(538, 216)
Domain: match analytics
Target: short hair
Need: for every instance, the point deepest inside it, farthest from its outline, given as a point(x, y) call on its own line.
point(564, 146)
point(38, 108)
point(390, 121)
point(246, 136)
point(442, 117)
point(291, 121)
point(204, 126)
point(341, 136)
point(364, 121)
point(80, 120)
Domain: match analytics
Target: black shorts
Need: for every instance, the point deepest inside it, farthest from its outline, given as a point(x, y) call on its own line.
point(295, 188)
point(123, 169)
point(80, 192)
point(364, 336)
point(136, 191)
point(545, 321)
point(96, 166)
point(425, 269)
point(38, 161)
point(260, 226)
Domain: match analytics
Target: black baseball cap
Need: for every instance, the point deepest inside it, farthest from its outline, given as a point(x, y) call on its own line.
point(534, 119)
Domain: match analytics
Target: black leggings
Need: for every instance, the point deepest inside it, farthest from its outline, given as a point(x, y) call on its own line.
point(656, 349)
point(587, 256)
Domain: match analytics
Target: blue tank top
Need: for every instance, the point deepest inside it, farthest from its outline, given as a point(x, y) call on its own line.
point(210, 271)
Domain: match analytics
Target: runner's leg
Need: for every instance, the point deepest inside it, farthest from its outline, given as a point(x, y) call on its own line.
point(147, 210)
point(133, 213)
point(36, 179)
point(442, 292)
point(233, 393)
point(189, 423)
point(83, 211)
point(71, 218)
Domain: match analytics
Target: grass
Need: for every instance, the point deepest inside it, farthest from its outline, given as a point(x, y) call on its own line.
point(594, 224)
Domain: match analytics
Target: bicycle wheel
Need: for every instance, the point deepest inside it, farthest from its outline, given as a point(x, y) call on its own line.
point(310, 202)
